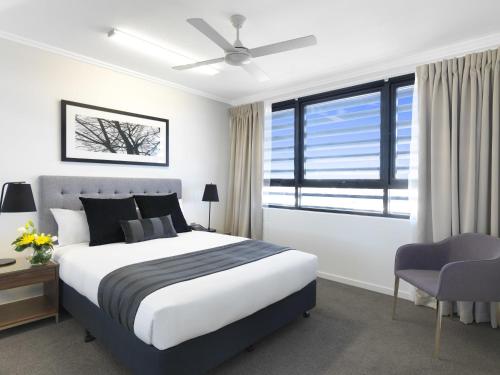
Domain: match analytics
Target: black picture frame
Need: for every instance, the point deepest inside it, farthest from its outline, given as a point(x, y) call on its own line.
point(64, 133)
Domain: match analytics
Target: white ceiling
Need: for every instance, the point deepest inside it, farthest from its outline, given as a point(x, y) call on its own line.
point(352, 34)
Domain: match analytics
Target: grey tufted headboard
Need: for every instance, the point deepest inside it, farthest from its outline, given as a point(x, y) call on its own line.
point(64, 191)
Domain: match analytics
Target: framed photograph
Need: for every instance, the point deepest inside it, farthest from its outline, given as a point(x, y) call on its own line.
point(102, 135)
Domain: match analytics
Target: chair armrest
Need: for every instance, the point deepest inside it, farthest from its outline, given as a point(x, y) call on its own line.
point(422, 256)
point(470, 280)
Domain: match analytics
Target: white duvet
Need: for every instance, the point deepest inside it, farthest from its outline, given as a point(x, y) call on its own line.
point(191, 308)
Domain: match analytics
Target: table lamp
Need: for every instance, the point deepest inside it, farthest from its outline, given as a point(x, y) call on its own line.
point(210, 195)
point(18, 198)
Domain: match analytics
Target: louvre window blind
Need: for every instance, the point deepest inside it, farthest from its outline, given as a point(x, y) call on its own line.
point(283, 196)
point(404, 98)
point(343, 151)
point(342, 138)
point(279, 145)
point(398, 202)
point(343, 199)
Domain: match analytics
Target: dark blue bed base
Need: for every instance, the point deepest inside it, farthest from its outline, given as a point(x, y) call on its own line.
point(195, 356)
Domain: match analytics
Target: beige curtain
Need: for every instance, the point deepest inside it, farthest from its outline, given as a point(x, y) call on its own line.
point(244, 205)
point(458, 131)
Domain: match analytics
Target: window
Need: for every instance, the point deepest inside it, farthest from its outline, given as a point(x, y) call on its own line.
point(279, 158)
point(404, 96)
point(342, 139)
point(279, 144)
point(343, 151)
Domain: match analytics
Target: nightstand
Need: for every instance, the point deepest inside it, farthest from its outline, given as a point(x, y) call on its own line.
point(22, 273)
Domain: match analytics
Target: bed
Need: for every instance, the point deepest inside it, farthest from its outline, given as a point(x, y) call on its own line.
point(189, 327)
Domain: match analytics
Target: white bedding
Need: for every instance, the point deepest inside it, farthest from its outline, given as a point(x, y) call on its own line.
point(191, 308)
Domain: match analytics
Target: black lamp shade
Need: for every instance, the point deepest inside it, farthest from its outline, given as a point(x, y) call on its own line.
point(210, 194)
point(18, 198)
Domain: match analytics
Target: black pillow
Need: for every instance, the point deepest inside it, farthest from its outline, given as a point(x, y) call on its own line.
point(162, 205)
point(148, 229)
point(103, 217)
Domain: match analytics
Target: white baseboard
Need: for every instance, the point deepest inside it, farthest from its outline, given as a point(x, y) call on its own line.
point(405, 294)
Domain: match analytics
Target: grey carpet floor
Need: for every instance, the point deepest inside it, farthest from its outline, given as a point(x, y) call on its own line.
point(350, 332)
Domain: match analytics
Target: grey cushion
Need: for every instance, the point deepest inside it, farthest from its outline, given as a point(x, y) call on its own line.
point(426, 280)
point(148, 229)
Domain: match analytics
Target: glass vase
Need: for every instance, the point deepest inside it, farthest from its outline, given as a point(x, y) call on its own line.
point(40, 256)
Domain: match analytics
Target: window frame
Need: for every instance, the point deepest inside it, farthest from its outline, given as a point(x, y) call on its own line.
point(387, 180)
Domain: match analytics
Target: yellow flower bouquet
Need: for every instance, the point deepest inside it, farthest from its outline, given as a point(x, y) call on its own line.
point(41, 243)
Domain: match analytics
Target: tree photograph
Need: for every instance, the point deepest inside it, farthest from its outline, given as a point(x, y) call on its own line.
point(96, 134)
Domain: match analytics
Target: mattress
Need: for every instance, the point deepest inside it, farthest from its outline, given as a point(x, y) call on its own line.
point(192, 308)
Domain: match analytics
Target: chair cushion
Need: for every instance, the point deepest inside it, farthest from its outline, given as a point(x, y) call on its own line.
point(426, 280)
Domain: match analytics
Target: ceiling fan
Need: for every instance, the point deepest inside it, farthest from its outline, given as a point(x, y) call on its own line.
point(237, 54)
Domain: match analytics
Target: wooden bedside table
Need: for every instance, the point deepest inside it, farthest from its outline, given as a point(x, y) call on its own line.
point(22, 273)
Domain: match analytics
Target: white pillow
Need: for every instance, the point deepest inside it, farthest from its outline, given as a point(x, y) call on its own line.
point(72, 226)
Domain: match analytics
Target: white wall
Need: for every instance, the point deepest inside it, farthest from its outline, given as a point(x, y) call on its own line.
point(32, 84)
point(352, 249)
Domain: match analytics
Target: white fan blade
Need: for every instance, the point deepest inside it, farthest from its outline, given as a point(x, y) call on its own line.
point(256, 72)
point(201, 63)
point(288, 45)
point(211, 33)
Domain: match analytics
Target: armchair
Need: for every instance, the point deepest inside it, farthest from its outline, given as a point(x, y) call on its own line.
point(465, 267)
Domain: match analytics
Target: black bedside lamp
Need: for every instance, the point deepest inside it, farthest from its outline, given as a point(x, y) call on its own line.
point(18, 198)
point(210, 195)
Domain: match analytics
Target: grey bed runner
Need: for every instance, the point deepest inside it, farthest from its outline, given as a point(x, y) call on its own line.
point(122, 291)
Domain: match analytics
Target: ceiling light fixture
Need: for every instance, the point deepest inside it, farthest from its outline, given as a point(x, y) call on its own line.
point(156, 50)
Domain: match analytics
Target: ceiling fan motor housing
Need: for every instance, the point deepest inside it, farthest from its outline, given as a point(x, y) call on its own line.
point(239, 56)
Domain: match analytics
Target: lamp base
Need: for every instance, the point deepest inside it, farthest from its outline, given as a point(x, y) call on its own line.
point(7, 262)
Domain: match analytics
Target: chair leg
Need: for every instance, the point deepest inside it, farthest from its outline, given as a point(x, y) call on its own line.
point(395, 301)
point(439, 316)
